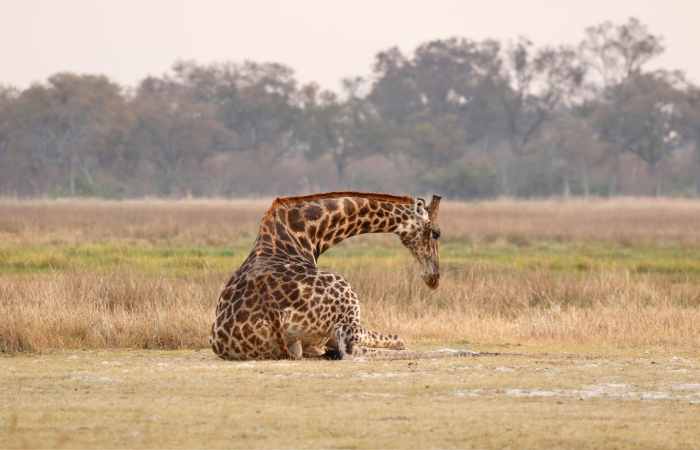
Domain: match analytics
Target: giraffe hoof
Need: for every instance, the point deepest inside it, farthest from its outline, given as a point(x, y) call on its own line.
point(333, 354)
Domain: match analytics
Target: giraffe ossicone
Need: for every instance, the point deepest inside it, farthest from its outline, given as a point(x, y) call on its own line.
point(279, 304)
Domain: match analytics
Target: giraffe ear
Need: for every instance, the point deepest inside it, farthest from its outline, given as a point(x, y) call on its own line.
point(433, 208)
point(419, 206)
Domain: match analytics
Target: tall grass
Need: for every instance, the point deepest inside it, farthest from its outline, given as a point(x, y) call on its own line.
point(478, 305)
point(120, 305)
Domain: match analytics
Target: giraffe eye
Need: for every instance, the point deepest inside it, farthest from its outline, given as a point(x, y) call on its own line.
point(436, 234)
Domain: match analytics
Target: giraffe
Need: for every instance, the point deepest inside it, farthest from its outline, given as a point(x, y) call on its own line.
point(280, 305)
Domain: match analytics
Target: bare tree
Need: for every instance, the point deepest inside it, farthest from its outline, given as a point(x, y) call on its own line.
point(538, 82)
point(646, 118)
point(343, 129)
point(68, 122)
point(617, 52)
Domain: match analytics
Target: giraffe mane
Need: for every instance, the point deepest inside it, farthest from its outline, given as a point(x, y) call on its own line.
point(289, 201)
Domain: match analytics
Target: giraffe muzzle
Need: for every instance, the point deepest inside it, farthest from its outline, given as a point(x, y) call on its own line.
point(432, 280)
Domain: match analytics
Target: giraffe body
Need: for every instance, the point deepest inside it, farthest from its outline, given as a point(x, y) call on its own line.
point(279, 304)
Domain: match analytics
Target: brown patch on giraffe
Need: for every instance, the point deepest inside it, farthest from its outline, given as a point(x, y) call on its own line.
point(295, 221)
point(242, 315)
point(221, 334)
point(313, 212)
point(322, 228)
point(282, 232)
point(349, 207)
point(311, 231)
point(288, 288)
point(294, 295)
point(305, 243)
point(335, 219)
point(331, 205)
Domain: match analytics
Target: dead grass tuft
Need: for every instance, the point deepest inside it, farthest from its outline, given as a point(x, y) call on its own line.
point(121, 309)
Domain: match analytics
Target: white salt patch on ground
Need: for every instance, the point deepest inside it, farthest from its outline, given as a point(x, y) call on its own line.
point(618, 391)
point(535, 393)
point(589, 366)
point(307, 375)
point(656, 396)
point(686, 387)
point(245, 365)
point(383, 374)
point(469, 367)
point(86, 377)
point(679, 359)
point(468, 392)
point(458, 351)
point(373, 395)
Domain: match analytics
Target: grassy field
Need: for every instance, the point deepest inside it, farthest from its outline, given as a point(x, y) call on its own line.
point(595, 306)
point(146, 274)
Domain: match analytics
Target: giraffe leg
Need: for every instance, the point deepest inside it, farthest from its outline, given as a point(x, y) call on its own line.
point(346, 336)
point(315, 347)
point(375, 339)
point(382, 353)
point(354, 340)
point(294, 350)
point(279, 320)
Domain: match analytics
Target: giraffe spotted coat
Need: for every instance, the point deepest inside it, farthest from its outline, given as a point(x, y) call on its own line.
point(279, 304)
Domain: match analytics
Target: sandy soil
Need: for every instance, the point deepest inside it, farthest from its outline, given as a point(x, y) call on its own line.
point(190, 399)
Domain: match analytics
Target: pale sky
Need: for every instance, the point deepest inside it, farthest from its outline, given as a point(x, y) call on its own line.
point(323, 40)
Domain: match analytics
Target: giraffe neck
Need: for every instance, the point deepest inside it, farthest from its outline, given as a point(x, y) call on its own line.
point(306, 229)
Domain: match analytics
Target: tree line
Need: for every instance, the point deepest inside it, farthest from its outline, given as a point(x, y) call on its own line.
point(462, 117)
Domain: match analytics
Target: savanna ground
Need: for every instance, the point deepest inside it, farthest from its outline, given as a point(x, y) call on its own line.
point(594, 307)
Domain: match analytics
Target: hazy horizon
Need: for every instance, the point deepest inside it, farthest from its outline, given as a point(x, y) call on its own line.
point(323, 42)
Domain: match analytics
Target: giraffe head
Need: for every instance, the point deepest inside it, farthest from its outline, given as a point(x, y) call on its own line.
point(420, 234)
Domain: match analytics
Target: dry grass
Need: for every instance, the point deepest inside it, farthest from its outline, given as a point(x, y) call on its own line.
point(477, 306)
point(626, 221)
point(220, 222)
point(103, 303)
point(141, 222)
